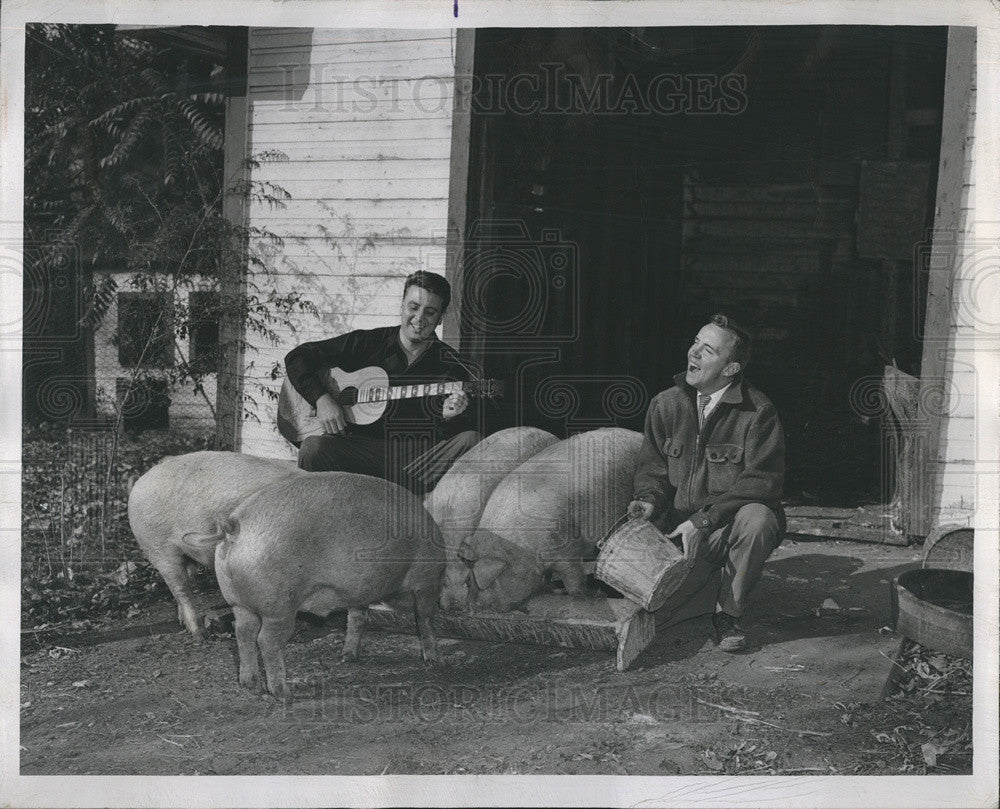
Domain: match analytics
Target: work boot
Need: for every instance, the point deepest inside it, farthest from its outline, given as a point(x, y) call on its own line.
point(730, 636)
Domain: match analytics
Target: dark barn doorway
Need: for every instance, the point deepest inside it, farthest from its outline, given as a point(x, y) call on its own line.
point(625, 184)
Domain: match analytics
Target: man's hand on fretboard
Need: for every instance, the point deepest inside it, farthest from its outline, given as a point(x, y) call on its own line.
point(455, 405)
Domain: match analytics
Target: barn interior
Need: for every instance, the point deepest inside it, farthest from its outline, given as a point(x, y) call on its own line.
point(626, 184)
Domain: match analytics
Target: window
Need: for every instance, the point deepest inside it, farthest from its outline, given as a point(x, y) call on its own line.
point(145, 405)
point(145, 336)
point(204, 307)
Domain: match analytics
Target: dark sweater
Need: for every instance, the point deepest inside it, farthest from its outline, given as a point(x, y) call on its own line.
point(360, 349)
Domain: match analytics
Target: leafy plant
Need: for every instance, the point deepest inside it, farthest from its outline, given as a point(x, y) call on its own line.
point(124, 167)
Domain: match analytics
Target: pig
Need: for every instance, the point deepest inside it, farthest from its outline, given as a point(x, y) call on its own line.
point(457, 502)
point(546, 516)
point(317, 543)
point(187, 493)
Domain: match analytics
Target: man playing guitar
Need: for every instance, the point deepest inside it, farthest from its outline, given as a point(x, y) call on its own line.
point(418, 438)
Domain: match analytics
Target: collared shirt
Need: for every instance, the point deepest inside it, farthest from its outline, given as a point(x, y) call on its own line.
point(714, 399)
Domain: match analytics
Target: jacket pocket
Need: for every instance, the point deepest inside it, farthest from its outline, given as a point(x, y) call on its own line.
point(674, 450)
point(725, 462)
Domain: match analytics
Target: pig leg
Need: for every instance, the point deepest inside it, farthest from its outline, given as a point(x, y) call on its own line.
point(425, 605)
point(274, 634)
point(247, 629)
point(174, 572)
point(355, 626)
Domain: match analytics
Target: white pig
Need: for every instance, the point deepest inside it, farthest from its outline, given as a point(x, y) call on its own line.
point(546, 516)
point(458, 500)
point(321, 542)
point(187, 493)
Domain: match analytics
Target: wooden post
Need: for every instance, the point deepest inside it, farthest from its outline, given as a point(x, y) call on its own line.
point(945, 250)
point(232, 285)
point(901, 395)
point(458, 183)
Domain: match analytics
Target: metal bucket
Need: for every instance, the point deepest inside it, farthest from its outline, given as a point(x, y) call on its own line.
point(641, 563)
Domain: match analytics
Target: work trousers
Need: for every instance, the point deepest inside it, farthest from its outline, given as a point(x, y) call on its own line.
point(413, 462)
point(740, 549)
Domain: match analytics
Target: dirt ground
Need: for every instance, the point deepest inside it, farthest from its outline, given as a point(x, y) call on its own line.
point(805, 700)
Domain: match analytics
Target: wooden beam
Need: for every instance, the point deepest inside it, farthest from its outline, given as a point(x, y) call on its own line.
point(232, 285)
point(458, 181)
point(553, 620)
point(948, 237)
point(869, 524)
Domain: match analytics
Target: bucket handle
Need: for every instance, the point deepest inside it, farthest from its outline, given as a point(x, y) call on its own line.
point(618, 524)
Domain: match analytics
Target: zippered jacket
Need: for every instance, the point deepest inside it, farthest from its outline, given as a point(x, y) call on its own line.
point(738, 458)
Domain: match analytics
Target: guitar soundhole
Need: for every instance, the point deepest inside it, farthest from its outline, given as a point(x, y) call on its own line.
point(348, 397)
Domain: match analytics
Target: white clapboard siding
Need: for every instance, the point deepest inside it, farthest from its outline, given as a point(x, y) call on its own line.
point(307, 147)
point(284, 74)
point(298, 276)
point(343, 57)
point(320, 188)
point(275, 113)
point(361, 42)
point(355, 126)
point(275, 134)
point(372, 168)
point(956, 456)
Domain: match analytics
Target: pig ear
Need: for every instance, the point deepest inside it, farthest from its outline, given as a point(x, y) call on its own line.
point(486, 571)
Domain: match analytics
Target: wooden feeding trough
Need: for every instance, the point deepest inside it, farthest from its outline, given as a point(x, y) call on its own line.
point(597, 623)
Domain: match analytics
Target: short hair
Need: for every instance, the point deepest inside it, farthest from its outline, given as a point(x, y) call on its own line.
point(742, 341)
point(432, 282)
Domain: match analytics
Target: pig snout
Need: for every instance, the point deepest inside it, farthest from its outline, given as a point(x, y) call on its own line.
point(322, 542)
point(183, 496)
point(455, 594)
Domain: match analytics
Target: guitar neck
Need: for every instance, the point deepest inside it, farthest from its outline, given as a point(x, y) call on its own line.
point(392, 392)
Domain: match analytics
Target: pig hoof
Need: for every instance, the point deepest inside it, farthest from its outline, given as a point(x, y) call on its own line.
point(349, 657)
point(282, 693)
point(193, 624)
point(251, 683)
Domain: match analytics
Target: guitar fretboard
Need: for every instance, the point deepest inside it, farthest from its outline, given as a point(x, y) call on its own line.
point(385, 394)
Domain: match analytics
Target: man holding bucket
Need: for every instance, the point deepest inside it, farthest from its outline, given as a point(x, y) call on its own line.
point(712, 467)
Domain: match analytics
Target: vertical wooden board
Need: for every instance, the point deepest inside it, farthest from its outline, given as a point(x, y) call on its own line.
point(634, 635)
point(950, 242)
point(232, 289)
point(461, 133)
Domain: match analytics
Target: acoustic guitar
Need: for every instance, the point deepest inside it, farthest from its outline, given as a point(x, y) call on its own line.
point(363, 395)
